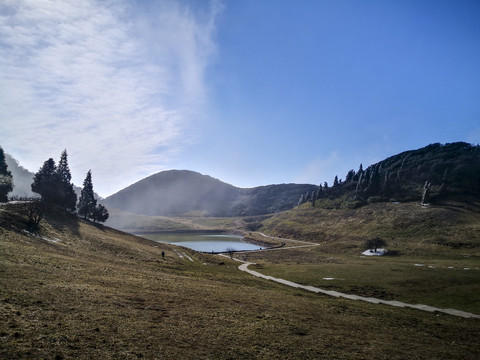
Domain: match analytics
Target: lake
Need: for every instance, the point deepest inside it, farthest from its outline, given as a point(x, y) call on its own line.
point(205, 242)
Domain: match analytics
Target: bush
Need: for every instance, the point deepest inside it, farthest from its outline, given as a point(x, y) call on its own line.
point(35, 212)
point(375, 243)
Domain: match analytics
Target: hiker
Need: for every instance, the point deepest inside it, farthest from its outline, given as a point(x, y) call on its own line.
point(163, 255)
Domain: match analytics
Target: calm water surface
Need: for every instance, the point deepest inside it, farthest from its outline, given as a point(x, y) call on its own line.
point(204, 242)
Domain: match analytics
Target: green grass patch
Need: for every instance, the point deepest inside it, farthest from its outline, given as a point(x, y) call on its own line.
point(447, 284)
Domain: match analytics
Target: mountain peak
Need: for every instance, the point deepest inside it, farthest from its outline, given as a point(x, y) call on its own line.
point(175, 192)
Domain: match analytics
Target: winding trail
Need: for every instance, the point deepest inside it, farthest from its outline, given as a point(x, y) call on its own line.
point(244, 267)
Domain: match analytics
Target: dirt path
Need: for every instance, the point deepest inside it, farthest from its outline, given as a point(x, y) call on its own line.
point(285, 239)
point(244, 267)
point(302, 244)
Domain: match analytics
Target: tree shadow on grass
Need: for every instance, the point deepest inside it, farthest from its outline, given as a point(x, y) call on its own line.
point(393, 253)
point(63, 221)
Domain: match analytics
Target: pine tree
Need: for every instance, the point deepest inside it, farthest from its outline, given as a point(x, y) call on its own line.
point(358, 174)
point(100, 214)
point(6, 181)
point(87, 202)
point(63, 170)
point(335, 181)
point(350, 175)
point(46, 181)
point(67, 195)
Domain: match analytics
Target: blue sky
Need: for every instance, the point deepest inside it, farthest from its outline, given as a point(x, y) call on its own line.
point(250, 92)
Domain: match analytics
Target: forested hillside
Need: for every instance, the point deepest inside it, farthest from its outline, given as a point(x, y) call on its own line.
point(431, 174)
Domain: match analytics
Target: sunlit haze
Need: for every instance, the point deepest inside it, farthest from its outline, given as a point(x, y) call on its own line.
point(249, 92)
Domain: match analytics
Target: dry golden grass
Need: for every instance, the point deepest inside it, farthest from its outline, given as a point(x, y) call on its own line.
point(100, 293)
point(430, 231)
point(443, 241)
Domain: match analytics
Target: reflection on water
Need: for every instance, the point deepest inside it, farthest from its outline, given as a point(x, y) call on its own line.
point(204, 242)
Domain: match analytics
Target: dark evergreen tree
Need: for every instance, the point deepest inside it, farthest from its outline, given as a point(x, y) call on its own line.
point(6, 181)
point(335, 181)
point(359, 173)
point(46, 181)
point(350, 175)
point(100, 214)
point(67, 195)
point(63, 170)
point(87, 203)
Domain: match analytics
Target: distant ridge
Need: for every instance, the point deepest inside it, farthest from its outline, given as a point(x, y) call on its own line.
point(452, 172)
point(22, 178)
point(177, 192)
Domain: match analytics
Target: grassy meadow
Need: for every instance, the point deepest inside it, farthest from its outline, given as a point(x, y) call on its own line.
point(433, 252)
point(84, 291)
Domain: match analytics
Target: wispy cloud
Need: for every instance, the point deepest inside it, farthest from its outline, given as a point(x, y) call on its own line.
point(320, 169)
point(114, 83)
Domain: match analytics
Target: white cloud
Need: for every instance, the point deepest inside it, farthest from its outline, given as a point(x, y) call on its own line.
point(114, 84)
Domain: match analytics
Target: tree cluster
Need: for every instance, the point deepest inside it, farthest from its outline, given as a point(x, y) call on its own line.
point(433, 173)
point(53, 184)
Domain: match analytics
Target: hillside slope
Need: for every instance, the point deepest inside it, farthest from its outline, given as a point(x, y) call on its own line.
point(82, 291)
point(451, 170)
point(440, 230)
point(180, 191)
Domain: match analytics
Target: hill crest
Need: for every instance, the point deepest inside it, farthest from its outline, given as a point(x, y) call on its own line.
point(451, 170)
point(175, 192)
point(445, 171)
